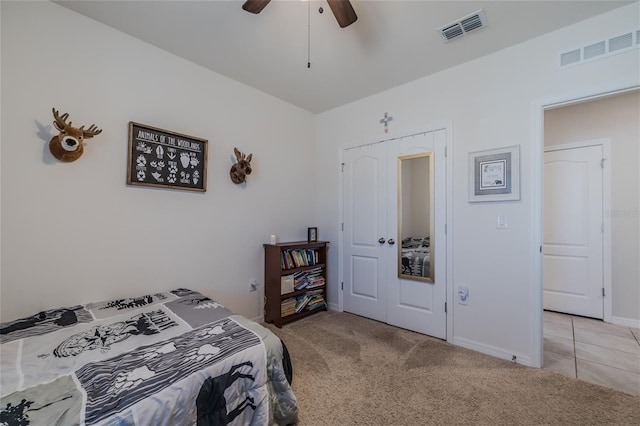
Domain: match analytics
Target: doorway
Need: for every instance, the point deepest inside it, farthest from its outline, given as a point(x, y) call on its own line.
point(619, 298)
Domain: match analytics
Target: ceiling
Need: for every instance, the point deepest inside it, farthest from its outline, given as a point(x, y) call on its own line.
point(392, 42)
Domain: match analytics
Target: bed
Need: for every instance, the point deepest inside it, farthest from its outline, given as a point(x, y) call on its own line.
point(416, 256)
point(170, 358)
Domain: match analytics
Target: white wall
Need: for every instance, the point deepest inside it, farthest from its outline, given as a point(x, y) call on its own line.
point(617, 118)
point(489, 102)
point(76, 232)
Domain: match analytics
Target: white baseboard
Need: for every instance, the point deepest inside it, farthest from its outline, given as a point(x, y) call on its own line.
point(625, 322)
point(332, 306)
point(492, 350)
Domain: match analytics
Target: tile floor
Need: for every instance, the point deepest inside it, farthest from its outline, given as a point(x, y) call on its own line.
point(592, 350)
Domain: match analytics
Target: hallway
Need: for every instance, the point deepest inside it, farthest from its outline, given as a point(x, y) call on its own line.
point(592, 350)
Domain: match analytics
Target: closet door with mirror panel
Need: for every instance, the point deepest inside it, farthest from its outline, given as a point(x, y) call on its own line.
point(395, 206)
point(416, 292)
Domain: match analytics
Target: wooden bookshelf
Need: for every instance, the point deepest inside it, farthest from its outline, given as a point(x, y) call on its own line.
point(287, 259)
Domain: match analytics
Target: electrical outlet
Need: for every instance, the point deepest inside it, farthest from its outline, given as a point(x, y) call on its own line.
point(253, 285)
point(463, 294)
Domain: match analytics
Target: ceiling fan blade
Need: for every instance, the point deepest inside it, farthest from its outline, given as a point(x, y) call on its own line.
point(255, 6)
point(343, 11)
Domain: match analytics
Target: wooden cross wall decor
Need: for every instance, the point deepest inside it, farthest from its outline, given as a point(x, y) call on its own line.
point(385, 120)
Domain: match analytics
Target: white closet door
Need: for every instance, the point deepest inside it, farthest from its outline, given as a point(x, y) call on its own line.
point(411, 304)
point(365, 222)
point(371, 246)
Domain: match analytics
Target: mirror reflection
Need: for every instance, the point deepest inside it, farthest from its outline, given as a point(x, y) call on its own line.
point(415, 217)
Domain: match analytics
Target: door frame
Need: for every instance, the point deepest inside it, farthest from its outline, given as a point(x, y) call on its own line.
point(537, 163)
point(448, 126)
point(605, 143)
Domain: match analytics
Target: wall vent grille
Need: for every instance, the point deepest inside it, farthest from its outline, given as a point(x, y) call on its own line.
point(595, 49)
point(464, 25)
point(569, 58)
point(601, 49)
point(621, 42)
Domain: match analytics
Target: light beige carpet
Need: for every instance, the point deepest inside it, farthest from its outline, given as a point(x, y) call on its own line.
point(349, 370)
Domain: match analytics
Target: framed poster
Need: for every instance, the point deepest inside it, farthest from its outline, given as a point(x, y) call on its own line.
point(494, 175)
point(166, 159)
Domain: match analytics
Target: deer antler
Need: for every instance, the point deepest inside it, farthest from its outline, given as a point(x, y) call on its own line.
point(90, 132)
point(60, 121)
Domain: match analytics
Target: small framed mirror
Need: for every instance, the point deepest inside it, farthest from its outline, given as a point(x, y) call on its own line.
point(415, 217)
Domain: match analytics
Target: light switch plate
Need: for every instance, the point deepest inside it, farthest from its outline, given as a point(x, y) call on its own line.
point(502, 222)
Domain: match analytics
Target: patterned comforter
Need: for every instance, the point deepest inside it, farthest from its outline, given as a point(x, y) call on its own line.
point(416, 256)
point(171, 358)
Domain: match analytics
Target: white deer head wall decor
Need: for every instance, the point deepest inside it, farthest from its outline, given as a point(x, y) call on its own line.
point(67, 144)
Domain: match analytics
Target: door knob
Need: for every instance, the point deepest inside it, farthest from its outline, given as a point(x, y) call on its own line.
point(391, 241)
point(381, 240)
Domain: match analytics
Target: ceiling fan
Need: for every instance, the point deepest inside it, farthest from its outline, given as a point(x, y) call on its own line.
point(342, 10)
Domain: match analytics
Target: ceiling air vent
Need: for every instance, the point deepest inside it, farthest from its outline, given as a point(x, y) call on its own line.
point(464, 25)
point(452, 31)
point(601, 49)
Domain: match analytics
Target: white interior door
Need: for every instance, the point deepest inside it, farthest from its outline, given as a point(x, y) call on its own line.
point(573, 231)
point(412, 304)
point(365, 222)
point(371, 286)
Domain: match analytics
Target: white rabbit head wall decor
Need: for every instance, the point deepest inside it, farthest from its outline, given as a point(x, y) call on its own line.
point(241, 168)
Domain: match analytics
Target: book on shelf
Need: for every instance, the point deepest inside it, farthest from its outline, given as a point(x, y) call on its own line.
point(288, 307)
point(311, 278)
point(318, 282)
point(316, 300)
point(307, 301)
point(301, 302)
point(297, 258)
